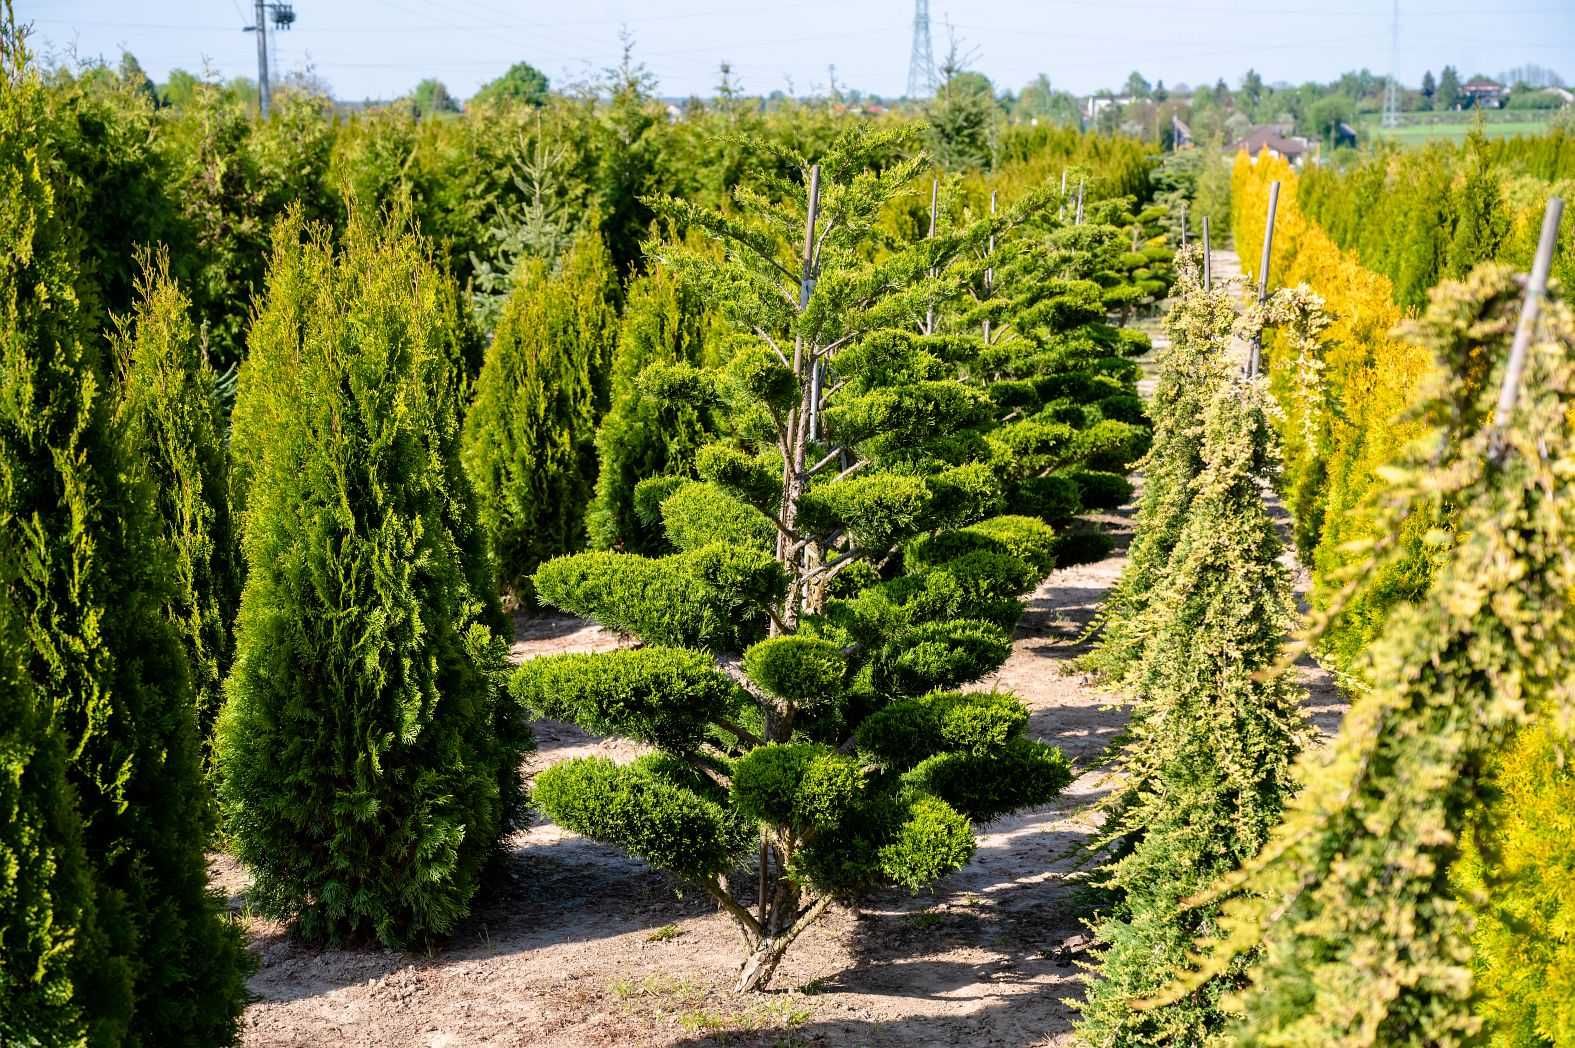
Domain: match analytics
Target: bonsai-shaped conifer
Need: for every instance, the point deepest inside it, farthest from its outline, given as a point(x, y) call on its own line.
point(367, 759)
point(1206, 766)
point(1190, 372)
point(82, 563)
point(664, 322)
point(1350, 905)
point(529, 438)
point(175, 427)
point(842, 540)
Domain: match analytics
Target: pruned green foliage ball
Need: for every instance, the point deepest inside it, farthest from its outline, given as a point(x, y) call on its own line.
point(698, 514)
point(807, 671)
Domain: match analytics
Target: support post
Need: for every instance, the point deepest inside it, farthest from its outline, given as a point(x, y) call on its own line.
point(1256, 357)
point(1536, 288)
point(806, 286)
point(261, 28)
point(935, 200)
point(1208, 260)
point(989, 271)
point(1183, 223)
point(1080, 186)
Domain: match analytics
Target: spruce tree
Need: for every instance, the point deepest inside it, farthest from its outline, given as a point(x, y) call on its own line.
point(174, 424)
point(367, 763)
point(1190, 371)
point(838, 758)
point(530, 435)
point(85, 568)
point(664, 322)
point(1350, 906)
point(1206, 765)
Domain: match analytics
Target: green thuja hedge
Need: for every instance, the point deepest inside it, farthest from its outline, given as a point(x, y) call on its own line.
point(83, 564)
point(175, 426)
point(368, 757)
point(790, 569)
point(644, 435)
point(530, 435)
point(49, 940)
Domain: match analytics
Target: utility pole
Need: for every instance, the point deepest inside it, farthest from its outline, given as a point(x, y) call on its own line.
point(283, 15)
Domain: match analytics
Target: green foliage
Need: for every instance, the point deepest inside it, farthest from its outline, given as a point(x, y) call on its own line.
point(637, 808)
point(1199, 323)
point(662, 696)
point(1028, 539)
point(699, 514)
point(804, 671)
point(46, 891)
point(529, 437)
point(97, 668)
point(174, 426)
point(1022, 774)
point(368, 759)
point(909, 730)
point(803, 785)
point(643, 434)
point(933, 840)
point(521, 84)
point(1350, 905)
point(1206, 766)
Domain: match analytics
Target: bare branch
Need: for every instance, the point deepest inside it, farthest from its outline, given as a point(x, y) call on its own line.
point(746, 922)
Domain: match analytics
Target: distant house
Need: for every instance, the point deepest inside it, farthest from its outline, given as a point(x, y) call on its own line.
point(1180, 133)
point(1482, 93)
point(1344, 135)
point(1271, 137)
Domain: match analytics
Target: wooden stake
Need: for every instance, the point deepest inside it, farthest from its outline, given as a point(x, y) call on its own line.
point(806, 286)
point(1183, 223)
point(1208, 261)
point(1080, 184)
point(1255, 357)
point(1536, 288)
point(935, 199)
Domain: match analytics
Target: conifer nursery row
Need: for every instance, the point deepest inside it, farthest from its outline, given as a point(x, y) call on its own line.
point(810, 442)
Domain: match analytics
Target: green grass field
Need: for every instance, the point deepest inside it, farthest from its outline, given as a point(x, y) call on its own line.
point(1422, 134)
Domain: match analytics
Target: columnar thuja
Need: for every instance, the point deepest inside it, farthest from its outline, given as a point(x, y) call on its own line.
point(840, 564)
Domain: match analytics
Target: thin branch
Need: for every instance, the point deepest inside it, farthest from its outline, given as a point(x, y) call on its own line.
point(827, 395)
point(810, 916)
point(823, 463)
point(760, 331)
point(743, 735)
point(860, 464)
point(747, 924)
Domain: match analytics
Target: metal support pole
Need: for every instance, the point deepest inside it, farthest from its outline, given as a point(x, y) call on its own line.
point(989, 271)
point(261, 29)
point(1536, 288)
point(806, 286)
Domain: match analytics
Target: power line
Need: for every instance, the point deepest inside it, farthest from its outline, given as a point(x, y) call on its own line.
point(921, 61)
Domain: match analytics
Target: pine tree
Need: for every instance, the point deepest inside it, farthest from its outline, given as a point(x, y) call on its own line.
point(1190, 371)
point(1350, 905)
point(1206, 765)
point(367, 762)
point(174, 425)
point(838, 760)
point(664, 322)
point(86, 570)
point(529, 437)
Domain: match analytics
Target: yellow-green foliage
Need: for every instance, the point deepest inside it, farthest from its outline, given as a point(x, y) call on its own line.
point(530, 435)
point(1516, 877)
point(1362, 939)
point(1359, 410)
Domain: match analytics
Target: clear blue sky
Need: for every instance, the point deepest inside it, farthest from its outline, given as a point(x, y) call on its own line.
point(379, 48)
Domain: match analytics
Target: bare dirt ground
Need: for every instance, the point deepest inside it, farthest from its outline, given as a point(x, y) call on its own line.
point(578, 945)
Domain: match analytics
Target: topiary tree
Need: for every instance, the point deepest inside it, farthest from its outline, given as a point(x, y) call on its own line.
point(82, 564)
point(175, 427)
point(529, 437)
point(368, 763)
point(831, 756)
point(1361, 939)
point(1206, 765)
point(641, 436)
point(1190, 371)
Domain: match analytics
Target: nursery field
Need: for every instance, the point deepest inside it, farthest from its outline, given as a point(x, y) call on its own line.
point(574, 570)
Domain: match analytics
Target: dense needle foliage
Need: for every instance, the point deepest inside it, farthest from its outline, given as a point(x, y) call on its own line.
point(1362, 938)
point(368, 763)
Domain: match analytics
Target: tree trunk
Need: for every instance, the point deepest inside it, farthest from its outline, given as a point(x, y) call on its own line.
point(761, 965)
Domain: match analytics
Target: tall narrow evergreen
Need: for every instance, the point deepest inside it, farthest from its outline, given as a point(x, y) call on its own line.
point(174, 425)
point(367, 763)
point(1190, 372)
point(664, 322)
point(1351, 906)
point(530, 435)
point(48, 930)
point(1206, 767)
point(87, 570)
